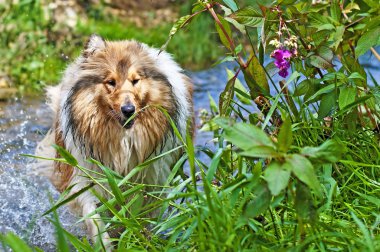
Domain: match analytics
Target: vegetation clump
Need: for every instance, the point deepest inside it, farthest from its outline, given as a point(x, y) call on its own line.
point(38, 39)
point(296, 163)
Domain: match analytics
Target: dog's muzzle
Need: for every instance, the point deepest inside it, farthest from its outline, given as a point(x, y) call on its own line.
point(127, 110)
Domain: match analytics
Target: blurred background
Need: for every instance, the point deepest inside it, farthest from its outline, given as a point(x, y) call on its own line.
point(38, 38)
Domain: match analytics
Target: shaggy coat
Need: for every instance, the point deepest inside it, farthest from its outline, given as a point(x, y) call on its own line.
point(106, 108)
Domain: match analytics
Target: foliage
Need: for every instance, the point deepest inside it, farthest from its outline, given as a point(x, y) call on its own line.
point(36, 48)
point(296, 163)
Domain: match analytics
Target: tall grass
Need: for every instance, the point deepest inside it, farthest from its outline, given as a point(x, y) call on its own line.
point(296, 176)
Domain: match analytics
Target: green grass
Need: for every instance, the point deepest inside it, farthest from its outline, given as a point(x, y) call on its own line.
point(300, 175)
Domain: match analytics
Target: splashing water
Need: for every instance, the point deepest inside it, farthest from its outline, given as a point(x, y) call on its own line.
point(24, 197)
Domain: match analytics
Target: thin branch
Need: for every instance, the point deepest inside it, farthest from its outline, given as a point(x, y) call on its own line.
point(375, 53)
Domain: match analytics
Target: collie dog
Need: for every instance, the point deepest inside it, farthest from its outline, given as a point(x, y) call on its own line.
point(108, 107)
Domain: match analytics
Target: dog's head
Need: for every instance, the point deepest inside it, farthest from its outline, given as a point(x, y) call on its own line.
point(122, 81)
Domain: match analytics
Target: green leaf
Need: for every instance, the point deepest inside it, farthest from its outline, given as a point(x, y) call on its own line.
point(66, 155)
point(352, 65)
point(367, 40)
point(324, 90)
point(374, 23)
point(223, 37)
point(302, 87)
point(255, 77)
point(317, 20)
point(358, 101)
point(351, 6)
point(180, 23)
point(329, 27)
point(78, 244)
point(242, 93)
point(327, 105)
point(15, 243)
point(260, 203)
point(366, 233)
point(304, 171)
point(321, 36)
point(111, 182)
point(319, 62)
point(248, 16)
point(285, 137)
point(304, 206)
point(346, 96)
point(356, 75)
point(226, 96)
point(231, 4)
point(62, 245)
point(214, 165)
point(243, 135)
point(335, 10)
point(330, 151)
point(68, 199)
point(277, 176)
point(326, 53)
point(261, 152)
point(336, 77)
point(337, 36)
point(213, 106)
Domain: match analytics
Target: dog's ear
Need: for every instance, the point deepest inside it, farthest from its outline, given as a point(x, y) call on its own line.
point(94, 43)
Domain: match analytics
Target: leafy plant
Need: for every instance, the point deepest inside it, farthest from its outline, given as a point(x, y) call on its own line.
point(296, 162)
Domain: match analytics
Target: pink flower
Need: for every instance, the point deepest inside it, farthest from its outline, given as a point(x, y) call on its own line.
point(281, 61)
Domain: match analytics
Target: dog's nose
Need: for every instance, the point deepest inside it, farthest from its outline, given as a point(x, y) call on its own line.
point(128, 110)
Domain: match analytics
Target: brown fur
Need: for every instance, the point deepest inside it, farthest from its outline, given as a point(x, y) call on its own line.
point(89, 122)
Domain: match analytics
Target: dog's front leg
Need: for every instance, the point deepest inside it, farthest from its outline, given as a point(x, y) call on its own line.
point(94, 223)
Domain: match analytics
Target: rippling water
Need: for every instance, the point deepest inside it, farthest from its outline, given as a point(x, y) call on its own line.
point(23, 197)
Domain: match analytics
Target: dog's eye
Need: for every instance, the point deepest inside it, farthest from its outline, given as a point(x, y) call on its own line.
point(135, 81)
point(111, 82)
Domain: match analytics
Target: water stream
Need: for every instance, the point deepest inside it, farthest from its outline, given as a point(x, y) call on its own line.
point(23, 197)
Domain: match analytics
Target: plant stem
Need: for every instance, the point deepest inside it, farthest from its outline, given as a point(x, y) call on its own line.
point(230, 41)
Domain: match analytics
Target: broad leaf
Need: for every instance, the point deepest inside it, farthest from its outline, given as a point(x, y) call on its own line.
point(226, 34)
point(260, 203)
point(335, 10)
point(261, 152)
point(241, 93)
point(248, 16)
point(255, 77)
point(327, 105)
point(304, 205)
point(346, 96)
point(243, 135)
point(319, 62)
point(277, 176)
point(285, 137)
point(226, 96)
point(231, 4)
point(330, 151)
point(304, 171)
point(369, 39)
point(302, 87)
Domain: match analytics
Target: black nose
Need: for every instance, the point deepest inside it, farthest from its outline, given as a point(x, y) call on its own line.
point(128, 110)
